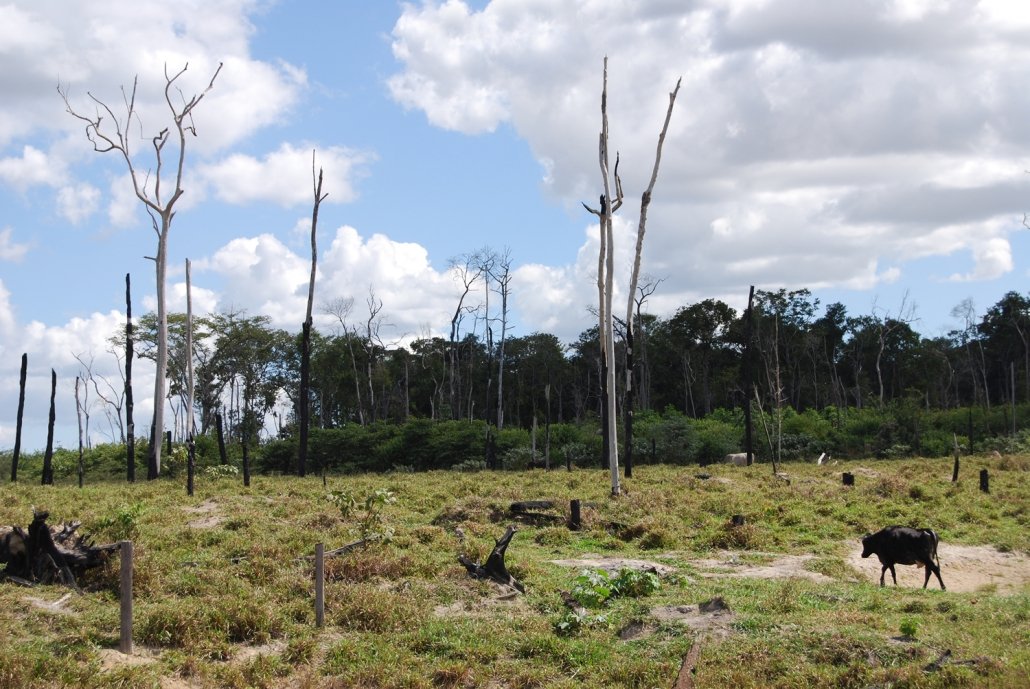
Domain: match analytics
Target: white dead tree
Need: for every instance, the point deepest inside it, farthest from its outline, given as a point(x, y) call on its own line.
point(113, 135)
point(606, 284)
point(606, 267)
point(645, 201)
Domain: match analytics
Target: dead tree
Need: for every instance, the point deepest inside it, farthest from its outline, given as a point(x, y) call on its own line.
point(495, 569)
point(21, 414)
point(304, 408)
point(645, 202)
point(130, 428)
point(605, 286)
point(44, 554)
point(48, 456)
point(606, 269)
point(147, 187)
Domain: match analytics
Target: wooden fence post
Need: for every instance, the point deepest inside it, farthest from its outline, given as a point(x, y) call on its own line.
point(125, 643)
point(319, 584)
point(985, 481)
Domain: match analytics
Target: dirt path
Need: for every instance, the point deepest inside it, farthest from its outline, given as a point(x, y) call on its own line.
point(964, 568)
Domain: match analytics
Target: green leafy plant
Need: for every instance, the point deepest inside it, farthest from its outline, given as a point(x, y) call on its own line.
point(909, 628)
point(123, 524)
point(573, 622)
point(221, 471)
point(371, 525)
point(593, 588)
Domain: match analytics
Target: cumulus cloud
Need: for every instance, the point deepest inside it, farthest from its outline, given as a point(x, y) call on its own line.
point(812, 145)
point(283, 176)
point(32, 168)
point(76, 203)
point(262, 275)
point(9, 249)
point(992, 258)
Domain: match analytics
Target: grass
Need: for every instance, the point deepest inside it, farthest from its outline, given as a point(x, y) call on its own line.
point(406, 614)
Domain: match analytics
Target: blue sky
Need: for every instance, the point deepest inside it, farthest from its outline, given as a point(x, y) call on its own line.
point(872, 151)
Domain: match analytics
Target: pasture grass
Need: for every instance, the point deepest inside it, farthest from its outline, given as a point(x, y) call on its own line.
point(222, 600)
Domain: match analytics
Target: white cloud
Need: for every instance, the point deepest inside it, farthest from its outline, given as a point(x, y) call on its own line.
point(812, 145)
point(284, 175)
point(9, 250)
point(76, 203)
point(992, 258)
point(34, 167)
point(123, 207)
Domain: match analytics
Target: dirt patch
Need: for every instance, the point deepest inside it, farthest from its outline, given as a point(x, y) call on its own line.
point(964, 568)
point(245, 654)
point(614, 564)
point(208, 507)
point(778, 567)
point(112, 658)
point(712, 617)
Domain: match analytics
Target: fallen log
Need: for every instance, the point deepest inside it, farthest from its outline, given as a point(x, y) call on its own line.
point(495, 568)
point(45, 553)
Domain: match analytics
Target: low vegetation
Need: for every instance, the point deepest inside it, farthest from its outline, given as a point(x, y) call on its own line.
point(224, 592)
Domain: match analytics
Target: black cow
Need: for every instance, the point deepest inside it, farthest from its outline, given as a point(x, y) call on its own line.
point(902, 545)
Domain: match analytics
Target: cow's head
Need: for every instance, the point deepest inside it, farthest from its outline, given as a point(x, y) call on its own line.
point(867, 545)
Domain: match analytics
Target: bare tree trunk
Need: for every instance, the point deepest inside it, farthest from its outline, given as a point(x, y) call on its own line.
point(21, 413)
point(191, 445)
point(304, 407)
point(130, 428)
point(645, 202)
point(48, 456)
point(749, 440)
point(78, 415)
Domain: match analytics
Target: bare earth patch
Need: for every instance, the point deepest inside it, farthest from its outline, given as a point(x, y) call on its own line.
point(778, 567)
point(614, 564)
point(964, 568)
point(712, 617)
point(245, 654)
point(209, 522)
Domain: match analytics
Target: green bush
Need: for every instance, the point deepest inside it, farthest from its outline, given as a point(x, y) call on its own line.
point(715, 440)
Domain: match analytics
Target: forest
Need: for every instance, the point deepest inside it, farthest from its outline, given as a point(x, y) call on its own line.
point(823, 381)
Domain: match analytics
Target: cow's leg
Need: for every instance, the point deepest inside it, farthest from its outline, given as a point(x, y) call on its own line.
point(893, 575)
point(882, 573)
point(930, 567)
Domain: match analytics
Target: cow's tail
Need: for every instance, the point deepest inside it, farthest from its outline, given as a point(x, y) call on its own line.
point(936, 540)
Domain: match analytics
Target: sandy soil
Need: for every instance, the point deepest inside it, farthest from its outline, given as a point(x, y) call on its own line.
point(964, 568)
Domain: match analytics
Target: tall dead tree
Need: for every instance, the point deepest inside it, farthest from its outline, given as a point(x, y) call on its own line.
point(606, 269)
point(304, 407)
point(605, 286)
point(645, 202)
point(48, 456)
point(130, 427)
point(114, 136)
point(21, 415)
point(191, 445)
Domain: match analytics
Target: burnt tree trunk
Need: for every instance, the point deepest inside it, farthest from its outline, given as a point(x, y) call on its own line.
point(48, 457)
point(44, 553)
point(221, 439)
point(21, 413)
point(303, 408)
point(749, 440)
point(130, 428)
point(495, 568)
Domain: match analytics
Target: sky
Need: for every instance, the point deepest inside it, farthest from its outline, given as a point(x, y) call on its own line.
point(874, 152)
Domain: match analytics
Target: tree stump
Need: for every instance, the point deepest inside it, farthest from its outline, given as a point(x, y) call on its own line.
point(848, 478)
point(495, 568)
